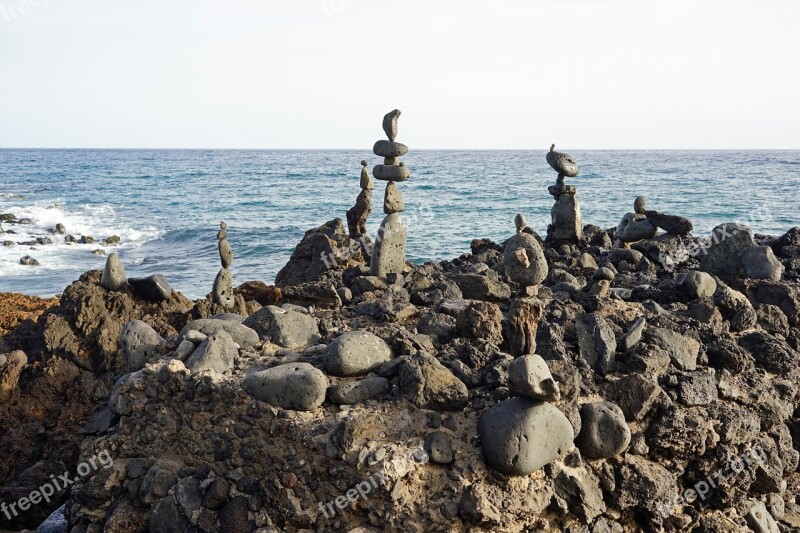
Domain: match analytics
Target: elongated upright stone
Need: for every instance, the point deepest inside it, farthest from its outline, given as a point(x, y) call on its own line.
point(223, 289)
point(113, 278)
point(389, 255)
point(393, 200)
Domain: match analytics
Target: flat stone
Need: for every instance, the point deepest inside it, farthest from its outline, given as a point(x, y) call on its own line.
point(521, 435)
point(524, 260)
point(353, 392)
point(297, 386)
point(389, 149)
point(113, 278)
point(139, 342)
point(596, 342)
point(215, 353)
point(286, 328)
point(616, 255)
point(355, 353)
point(225, 253)
point(389, 252)
point(682, 350)
point(392, 200)
point(529, 376)
point(242, 335)
point(154, 288)
point(633, 335)
point(222, 291)
point(391, 172)
point(562, 163)
point(604, 432)
point(672, 224)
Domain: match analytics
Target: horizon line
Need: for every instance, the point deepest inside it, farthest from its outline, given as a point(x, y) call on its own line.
point(414, 150)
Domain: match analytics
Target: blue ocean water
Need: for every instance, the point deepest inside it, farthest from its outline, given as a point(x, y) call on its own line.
point(166, 205)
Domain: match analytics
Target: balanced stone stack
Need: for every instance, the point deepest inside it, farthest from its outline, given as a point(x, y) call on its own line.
point(222, 293)
point(390, 245)
point(566, 225)
point(635, 226)
point(358, 214)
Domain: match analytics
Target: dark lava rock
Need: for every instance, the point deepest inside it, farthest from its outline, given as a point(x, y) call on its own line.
point(153, 288)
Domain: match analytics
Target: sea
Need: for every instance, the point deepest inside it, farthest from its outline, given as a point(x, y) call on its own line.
point(166, 205)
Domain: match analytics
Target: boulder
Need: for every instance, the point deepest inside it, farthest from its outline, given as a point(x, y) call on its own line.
point(153, 288)
point(682, 350)
point(604, 432)
point(355, 353)
point(521, 435)
point(759, 262)
point(697, 284)
point(216, 353)
point(529, 376)
point(297, 386)
point(723, 257)
point(482, 287)
point(672, 224)
point(139, 343)
point(289, 329)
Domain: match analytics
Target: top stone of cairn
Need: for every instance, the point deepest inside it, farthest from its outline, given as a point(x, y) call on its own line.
point(390, 124)
point(562, 163)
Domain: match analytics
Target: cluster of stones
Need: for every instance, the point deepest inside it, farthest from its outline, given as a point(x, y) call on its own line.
point(222, 292)
point(389, 253)
point(565, 227)
point(358, 214)
point(644, 224)
point(155, 288)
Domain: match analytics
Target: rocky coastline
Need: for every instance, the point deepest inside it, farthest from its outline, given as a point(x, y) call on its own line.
point(636, 378)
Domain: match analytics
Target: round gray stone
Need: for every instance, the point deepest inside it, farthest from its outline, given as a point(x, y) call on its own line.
point(604, 432)
point(139, 342)
point(439, 448)
point(521, 435)
point(241, 334)
point(356, 353)
point(697, 284)
point(215, 353)
point(222, 291)
point(297, 386)
point(389, 149)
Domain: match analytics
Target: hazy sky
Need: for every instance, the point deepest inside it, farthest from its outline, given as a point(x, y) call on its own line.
point(466, 74)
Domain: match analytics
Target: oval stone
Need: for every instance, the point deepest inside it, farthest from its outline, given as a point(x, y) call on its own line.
point(562, 163)
point(355, 353)
point(297, 386)
point(521, 435)
point(391, 172)
point(389, 149)
point(524, 260)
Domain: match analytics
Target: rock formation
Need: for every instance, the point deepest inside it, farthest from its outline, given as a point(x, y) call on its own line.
point(635, 226)
point(222, 292)
point(565, 227)
point(358, 214)
point(389, 253)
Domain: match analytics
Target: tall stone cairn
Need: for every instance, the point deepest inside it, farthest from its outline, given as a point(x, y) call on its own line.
point(222, 293)
point(358, 214)
point(389, 254)
point(566, 227)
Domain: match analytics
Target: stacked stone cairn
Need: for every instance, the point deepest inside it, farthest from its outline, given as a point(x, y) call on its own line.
point(566, 225)
point(358, 214)
point(635, 226)
point(389, 252)
point(222, 293)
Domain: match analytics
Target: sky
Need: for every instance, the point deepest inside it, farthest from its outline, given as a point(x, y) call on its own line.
point(492, 74)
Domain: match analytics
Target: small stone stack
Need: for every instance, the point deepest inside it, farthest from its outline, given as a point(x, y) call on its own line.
point(635, 226)
point(222, 293)
point(389, 255)
point(566, 225)
point(358, 214)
